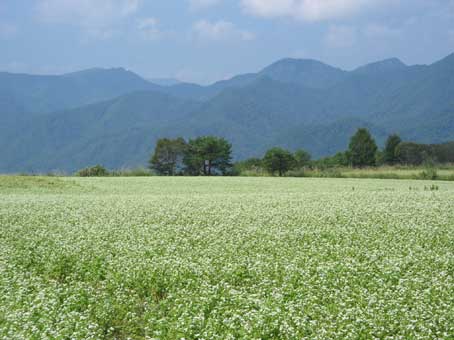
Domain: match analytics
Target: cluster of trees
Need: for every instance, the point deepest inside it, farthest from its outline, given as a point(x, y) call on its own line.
point(208, 155)
point(363, 151)
point(275, 161)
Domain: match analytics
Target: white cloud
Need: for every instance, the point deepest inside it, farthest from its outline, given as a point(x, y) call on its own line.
point(202, 4)
point(95, 17)
point(309, 10)
point(149, 28)
point(341, 36)
point(220, 30)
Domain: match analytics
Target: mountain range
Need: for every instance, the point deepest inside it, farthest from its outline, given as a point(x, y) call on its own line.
point(114, 116)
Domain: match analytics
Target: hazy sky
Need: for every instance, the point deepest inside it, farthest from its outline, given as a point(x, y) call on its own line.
point(207, 40)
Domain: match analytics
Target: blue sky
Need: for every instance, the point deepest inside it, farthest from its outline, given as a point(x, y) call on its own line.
point(208, 40)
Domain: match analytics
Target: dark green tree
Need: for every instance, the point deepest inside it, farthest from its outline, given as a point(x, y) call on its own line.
point(389, 153)
point(302, 158)
point(362, 149)
point(278, 160)
point(208, 155)
point(444, 153)
point(412, 153)
point(168, 156)
point(94, 171)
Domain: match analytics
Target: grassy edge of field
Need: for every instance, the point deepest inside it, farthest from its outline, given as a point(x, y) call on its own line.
point(439, 173)
point(445, 173)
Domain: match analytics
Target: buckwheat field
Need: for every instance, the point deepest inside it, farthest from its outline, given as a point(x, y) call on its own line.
point(226, 258)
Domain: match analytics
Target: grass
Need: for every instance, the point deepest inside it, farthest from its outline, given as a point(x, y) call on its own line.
point(226, 258)
point(38, 184)
point(385, 172)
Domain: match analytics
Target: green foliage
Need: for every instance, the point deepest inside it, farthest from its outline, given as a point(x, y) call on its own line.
point(340, 159)
point(380, 158)
point(302, 158)
point(250, 165)
point(416, 154)
point(94, 171)
point(362, 149)
point(412, 153)
point(443, 153)
point(389, 152)
point(168, 155)
point(429, 173)
point(207, 156)
point(278, 160)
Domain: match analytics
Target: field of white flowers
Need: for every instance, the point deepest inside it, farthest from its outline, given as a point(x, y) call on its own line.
point(226, 258)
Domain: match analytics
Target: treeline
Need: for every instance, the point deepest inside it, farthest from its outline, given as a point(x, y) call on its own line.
point(363, 152)
point(211, 155)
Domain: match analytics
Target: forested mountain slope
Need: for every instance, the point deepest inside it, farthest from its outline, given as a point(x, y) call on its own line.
point(114, 117)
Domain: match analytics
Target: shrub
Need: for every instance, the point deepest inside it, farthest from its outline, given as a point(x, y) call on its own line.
point(94, 171)
point(278, 160)
point(429, 173)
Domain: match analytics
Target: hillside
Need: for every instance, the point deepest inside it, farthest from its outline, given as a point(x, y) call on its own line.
point(114, 117)
point(41, 94)
point(116, 133)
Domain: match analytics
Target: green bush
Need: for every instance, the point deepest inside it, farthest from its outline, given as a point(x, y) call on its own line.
point(94, 171)
point(429, 173)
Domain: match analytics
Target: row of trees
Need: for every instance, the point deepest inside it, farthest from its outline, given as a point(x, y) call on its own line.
point(363, 151)
point(210, 155)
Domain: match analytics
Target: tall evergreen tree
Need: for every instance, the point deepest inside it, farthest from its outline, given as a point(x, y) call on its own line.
point(389, 153)
point(362, 149)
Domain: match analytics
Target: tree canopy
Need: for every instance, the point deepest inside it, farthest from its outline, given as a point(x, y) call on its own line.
point(362, 149)
point(302, 158)
point(389, 153)
point(208, 155)
point(168, 156)
point(278, 160)
point(211, 155)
